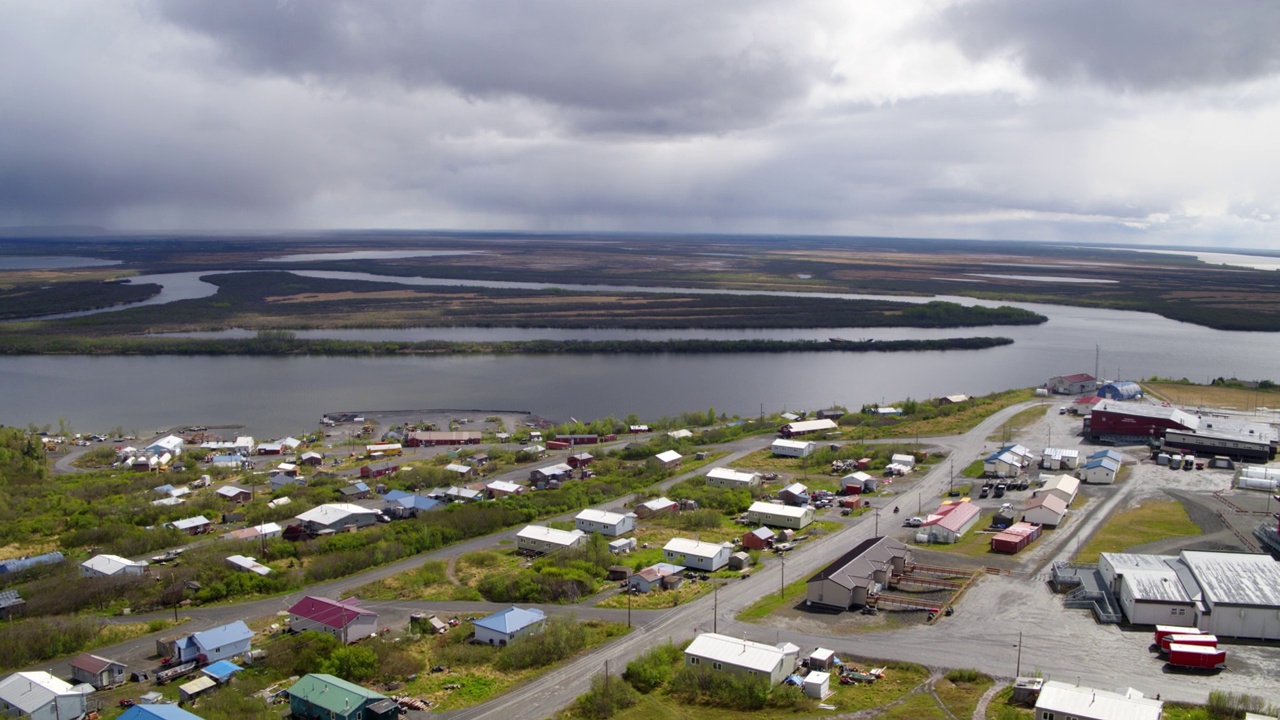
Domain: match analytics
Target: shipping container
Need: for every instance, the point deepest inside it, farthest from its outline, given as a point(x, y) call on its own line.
point(1195, 656)
point(557, 445)
point(1200, 639)
point(1163, 631)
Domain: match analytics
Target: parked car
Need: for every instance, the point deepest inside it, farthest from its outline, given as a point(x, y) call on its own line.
point(985, 492)
point(913, 522)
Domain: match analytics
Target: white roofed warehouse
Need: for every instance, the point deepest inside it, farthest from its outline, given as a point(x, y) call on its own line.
point(539, 539)
point(721, 653)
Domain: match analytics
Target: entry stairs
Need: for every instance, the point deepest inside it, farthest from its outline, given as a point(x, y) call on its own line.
point(1087, 591)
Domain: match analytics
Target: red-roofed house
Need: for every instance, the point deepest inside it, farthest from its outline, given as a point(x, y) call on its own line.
point(98, 671)
point(343, 619)
point(1072, 384)
point(950, 522)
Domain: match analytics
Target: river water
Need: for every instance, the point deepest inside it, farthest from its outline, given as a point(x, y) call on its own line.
point(275, 396)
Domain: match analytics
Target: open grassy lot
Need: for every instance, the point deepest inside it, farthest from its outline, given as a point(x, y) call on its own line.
point(1000, 708)
point(956, 420)
point(660, 599)
point(762, 608)
point(1150, 521)
point(431, 581)
point(1218, 396)
point(974, 544)
point(1018, 422)
point(960, 691)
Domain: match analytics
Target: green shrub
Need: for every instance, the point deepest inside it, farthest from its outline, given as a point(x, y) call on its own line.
point(606, 697)
point(722, 689)
point(964, 675)
point(559, 638)
point(654, 668)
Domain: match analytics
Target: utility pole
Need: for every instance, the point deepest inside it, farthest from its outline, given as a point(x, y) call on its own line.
point(783, 583)
point(1018, 671)
point(628, 606)
point(715, 617)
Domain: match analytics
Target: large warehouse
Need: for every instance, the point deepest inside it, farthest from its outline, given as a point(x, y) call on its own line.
point(1227, 594)
point(1112, 421)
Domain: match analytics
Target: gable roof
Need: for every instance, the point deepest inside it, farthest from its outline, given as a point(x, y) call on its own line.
point(954, 516)
point(511, 620)
point(1063, 698)
point(791, 511)
point(222, 636)
point(110, 564)
point(1049, 501)
point(333, 512)
point(696, 548)
point(330, 613)
point(330, 693)
point(737, 652)
point(92, 663)
point(668, 456)
point(31, 691)
point(600, 516)
point(161, 711)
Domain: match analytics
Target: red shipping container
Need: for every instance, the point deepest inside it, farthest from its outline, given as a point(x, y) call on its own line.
point(1163, 631)
point(1200, 639)
point(1196, 656)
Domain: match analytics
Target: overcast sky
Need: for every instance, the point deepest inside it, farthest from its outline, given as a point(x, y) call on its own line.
point(1080, 120)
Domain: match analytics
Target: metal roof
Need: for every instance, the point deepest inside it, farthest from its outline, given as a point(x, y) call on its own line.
point(222, 636)
point(600, 516)
point(160, 711)
point(330, 693)
point(31, 691)
point(110, 564)
point(723, 473)
point(1075, 700)
point(696, 548)
point(333, 512)
point(737, 652)
point(668, 456)
point(791, 511)
point(512, 620)
point(551, 535)
point(191, 522)
point(1227, 578)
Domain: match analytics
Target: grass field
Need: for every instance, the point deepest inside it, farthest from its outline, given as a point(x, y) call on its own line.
point(974, 544)
point(762, 608)
point(1018, 422)
point(1213, 396)
point(660, 599)
point(1150, 521)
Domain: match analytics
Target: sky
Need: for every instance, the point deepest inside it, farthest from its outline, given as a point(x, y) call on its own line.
point(1137, 121)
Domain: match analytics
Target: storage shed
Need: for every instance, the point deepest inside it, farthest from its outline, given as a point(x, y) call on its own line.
point(1015, 538)
point(817, 685)
point(792, 448)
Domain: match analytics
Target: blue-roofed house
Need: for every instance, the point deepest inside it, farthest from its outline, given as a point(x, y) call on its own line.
point(1101, 471)
point(501, 628)
point(1120, 390)
point(161, 711)
point(403, 504)
point(220, 643)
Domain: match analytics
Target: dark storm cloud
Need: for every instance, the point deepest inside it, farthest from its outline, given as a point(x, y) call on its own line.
point(1127, 44)
point(646, 67)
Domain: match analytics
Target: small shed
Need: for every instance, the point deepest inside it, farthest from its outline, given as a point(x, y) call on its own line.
point(622, 545)
point(822, 659)
point(194, 689)
point(817, 685)
point(739, 561)
point(759, 539)
point(619, 572)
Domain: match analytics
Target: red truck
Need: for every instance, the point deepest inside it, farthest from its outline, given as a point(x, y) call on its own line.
point(1201, 640)
point(1196, 657)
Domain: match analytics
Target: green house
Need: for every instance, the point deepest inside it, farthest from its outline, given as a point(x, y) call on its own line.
point(325, 697)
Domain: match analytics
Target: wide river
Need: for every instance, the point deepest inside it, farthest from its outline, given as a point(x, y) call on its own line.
point(276, 396)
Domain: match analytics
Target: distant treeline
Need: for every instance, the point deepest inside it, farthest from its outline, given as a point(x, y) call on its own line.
point(35, 299)
point(282, 343)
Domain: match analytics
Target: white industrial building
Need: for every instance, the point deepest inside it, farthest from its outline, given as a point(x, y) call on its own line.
point(732, 479)
point(696, 554)
point(1228, 594)
point(1064, 701)
point(792, 448)
point(1060, 459)
point(109, 565)
point(721, 653)
point(785, 516)
point(539, 539)
point(806, 427)
point(605, 523)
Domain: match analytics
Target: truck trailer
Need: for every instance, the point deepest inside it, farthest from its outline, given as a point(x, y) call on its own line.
point(1201, 640)
point(1196, 657)
point(1164, 630)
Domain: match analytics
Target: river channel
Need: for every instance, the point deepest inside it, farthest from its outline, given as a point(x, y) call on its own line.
point(276, 396)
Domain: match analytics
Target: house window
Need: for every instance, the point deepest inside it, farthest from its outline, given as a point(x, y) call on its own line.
point(717, 666)
point(1046, 715)
point(694, 660)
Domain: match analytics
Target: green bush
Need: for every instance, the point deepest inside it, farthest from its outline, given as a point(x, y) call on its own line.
point(722, 689)
point(559, 638)
point(606, 697)
point(964, 675)
point(654, 668)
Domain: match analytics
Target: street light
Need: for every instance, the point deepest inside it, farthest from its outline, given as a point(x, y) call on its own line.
point(1018, 671)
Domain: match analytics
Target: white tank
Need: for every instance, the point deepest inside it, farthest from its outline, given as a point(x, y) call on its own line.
point(1268, 484)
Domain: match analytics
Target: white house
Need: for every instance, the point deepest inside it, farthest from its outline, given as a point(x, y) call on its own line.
point(540, 539)
point(903, 459)
point(248, 564)
point(343, 619)
point(669, 459)
point(197, 525)
point(950, 522)
point(786, 516)
point(733, 479)
point(110, 565)
point(502, 627)
point(680, 434)
point(1002, 464)
point(1064, 486)
point(605, 523)
point(1065, 701)
point(696, 554)
point(41, 696)
point(1100, 471)
point(807, 427)
point(792, 448)
point(855, 482)
point(655, 506)
point(1045, 509)
point(722, 653)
